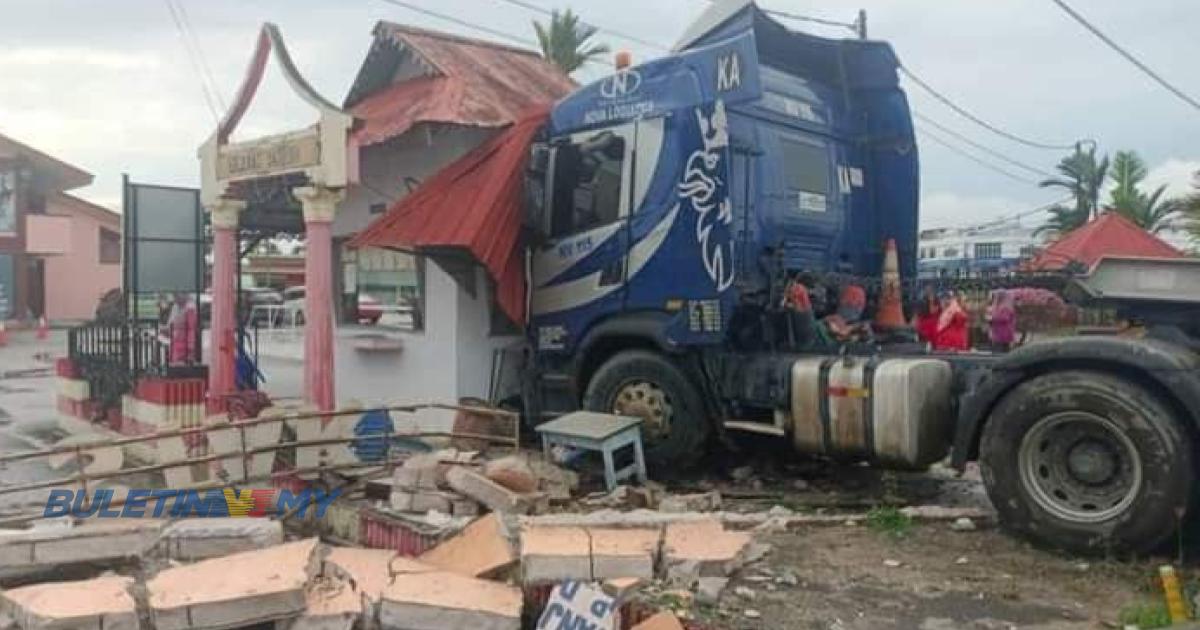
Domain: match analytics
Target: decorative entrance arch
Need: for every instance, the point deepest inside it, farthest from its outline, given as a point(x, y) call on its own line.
point(317, 164)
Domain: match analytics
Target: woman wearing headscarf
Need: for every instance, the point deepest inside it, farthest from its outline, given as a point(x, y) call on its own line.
point(952, 325)
point(928, 312)
point(182, 325)
point(1002, 321)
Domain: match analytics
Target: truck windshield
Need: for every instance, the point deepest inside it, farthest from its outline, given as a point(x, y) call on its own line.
point(587, 184)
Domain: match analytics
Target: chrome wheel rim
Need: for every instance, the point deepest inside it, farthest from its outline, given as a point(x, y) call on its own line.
point(648, 401)
point(1080, 467)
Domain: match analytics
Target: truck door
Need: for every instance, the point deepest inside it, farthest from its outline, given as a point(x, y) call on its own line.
point(579, 271)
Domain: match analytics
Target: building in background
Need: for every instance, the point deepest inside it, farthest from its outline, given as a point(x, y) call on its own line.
point(991, 249)
point(58, 253)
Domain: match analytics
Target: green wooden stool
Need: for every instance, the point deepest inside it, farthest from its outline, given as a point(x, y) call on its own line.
point(601, 432)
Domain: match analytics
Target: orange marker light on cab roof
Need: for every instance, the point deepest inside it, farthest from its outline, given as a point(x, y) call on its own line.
point(623, 59)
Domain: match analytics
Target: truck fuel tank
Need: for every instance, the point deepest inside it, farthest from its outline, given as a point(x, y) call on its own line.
point(891, 411)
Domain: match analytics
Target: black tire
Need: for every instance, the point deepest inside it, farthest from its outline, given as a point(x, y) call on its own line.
point(682, 443)
point(1088, 462)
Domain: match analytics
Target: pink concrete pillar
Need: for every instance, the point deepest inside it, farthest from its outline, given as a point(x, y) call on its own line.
point(222, 357)
point(320, 203)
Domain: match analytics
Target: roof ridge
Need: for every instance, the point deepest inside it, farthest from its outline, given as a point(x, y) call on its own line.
point(461, 39)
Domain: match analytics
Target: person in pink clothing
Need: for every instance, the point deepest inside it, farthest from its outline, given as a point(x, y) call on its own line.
point(1002, 321)
point(181, 327)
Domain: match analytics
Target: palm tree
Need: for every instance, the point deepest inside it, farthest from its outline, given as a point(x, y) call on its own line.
point(1082, 176)
point(564, 41)
point(1150, 212)
point(1189, 207)
point(1062, 219)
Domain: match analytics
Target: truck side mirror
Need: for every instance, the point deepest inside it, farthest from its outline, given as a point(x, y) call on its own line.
point(538, 190)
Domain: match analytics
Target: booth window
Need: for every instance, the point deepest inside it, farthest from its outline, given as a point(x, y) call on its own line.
point(587, 184)
point(110, 247)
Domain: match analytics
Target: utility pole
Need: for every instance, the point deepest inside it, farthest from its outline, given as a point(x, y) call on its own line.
point(861, 24)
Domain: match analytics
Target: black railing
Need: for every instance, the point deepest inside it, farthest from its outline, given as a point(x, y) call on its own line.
point(112, 357)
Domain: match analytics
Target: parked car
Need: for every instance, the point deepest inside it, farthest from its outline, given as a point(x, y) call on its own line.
point(268, 300)
point(369, 311)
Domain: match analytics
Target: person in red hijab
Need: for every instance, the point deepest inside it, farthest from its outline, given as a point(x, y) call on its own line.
point(952, 325)
point(928, 312)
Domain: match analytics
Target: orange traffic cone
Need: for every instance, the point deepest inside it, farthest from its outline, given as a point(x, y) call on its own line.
point(43, 329)
point(890, 315)
point(3, 333)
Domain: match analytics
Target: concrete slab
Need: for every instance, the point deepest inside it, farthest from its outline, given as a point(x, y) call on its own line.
point(495, 496)
point(621, 588)
point(556, 554)
point(332, 603)
point(439, 600)
point(368, 569)
point(624, 553)
point(232, 591)
point(103, 603)
point(698, 549)
point(482, 549)
point(200, 538)
point(50, 546)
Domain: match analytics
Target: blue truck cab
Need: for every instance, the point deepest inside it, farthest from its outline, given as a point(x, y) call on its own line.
point(672, 199)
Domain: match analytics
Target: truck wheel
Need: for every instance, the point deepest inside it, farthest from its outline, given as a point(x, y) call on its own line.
point(1088, 462)
point(646, 385)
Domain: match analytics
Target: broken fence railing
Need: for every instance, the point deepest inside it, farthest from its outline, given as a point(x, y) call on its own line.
point(83, 479)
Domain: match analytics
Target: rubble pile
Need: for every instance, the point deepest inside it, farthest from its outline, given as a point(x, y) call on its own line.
point(633, 557)
point(454, 482)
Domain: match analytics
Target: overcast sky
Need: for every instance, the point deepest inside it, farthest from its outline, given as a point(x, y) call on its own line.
point(110, 87)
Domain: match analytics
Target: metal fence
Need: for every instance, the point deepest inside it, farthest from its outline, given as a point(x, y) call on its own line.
point(111, 357)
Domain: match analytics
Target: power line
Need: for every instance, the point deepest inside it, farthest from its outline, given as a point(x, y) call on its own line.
point(977, 120)
point(990, 151)
point(808, 18)
point(1006, 219)
point(463, 23)
point(976, 159)
point(1127, 55)
point(478, 27)
point(599, 29)
point(208, 96)
point(208, 74)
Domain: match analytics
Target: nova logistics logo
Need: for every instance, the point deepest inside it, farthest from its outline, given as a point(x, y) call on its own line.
point(171, 503)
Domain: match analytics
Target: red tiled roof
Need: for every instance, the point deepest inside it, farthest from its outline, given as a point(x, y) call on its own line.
point(1110, 234)
point(471, 205)
point(467, 82)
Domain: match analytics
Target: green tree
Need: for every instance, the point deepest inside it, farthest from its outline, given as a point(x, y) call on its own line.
point(564, 41)
point(1189, 208)
point(1151, 212)
point(1082, 176)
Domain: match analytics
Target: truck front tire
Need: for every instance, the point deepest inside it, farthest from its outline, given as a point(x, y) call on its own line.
point(1088, 462)
point(646, 385)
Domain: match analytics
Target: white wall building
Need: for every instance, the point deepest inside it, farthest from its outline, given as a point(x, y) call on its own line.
point(990, 249)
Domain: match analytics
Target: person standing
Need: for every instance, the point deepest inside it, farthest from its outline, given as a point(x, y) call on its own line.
point(1002, 321)
point(952, 325)
point(928, 312)
point(182, 325)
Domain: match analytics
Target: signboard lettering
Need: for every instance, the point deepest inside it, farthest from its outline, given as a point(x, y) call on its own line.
point(269, 156)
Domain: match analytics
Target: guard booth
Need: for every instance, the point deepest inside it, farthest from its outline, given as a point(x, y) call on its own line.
point(287, 183)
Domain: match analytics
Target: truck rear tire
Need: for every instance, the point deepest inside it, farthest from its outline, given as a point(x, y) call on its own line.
point(1088, 462)
point(646, 385)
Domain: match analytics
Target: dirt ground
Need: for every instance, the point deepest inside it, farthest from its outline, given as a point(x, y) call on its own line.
point(847, 577)
point(924, 576)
